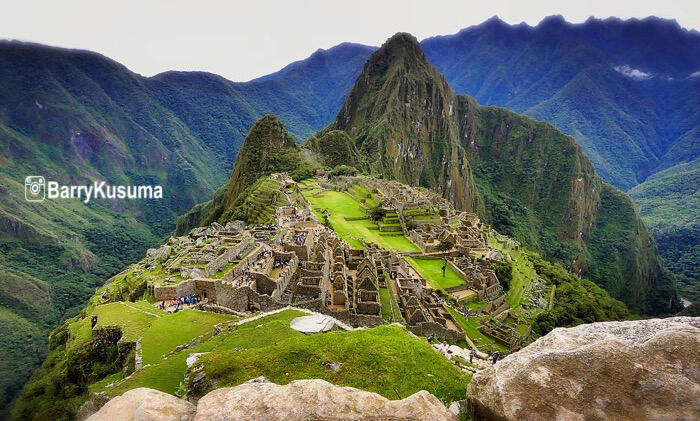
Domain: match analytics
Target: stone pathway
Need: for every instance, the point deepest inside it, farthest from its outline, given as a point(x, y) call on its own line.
point(128, 304)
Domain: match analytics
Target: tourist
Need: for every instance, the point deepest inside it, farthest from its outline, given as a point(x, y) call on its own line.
point(495, 356)
point(471, 356)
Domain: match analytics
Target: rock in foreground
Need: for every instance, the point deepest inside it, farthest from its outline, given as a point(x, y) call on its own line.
point(261, 400)
point(144, 404)
point(637, 370)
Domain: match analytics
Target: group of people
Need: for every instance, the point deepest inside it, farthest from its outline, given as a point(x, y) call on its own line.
point(243, 279)
point(173, 306)
point(300, 237)
point(278, 263)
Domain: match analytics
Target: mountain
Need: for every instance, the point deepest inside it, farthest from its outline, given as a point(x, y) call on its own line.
point(76, 116)
point(132, 334)
point(400, 113)
point(628, 91)
point(669, 204)
point(621, 88)
point(267, 148)
point(525, 177)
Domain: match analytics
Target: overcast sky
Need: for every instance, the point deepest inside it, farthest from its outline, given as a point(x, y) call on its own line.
point(244, 40)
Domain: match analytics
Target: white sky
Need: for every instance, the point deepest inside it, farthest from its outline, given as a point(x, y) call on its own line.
point(244, 40)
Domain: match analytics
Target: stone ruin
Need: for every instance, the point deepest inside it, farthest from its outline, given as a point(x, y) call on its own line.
point(299, 262)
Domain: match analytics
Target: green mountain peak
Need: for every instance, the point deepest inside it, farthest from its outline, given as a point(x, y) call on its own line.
point(401, 113)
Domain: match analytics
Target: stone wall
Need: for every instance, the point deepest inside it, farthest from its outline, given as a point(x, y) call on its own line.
point(203, 286)
point(231, 253)
point(244, 299)
point(436, 330)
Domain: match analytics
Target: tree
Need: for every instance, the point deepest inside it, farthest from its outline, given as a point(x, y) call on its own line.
point(504, 273)
point(376, 213)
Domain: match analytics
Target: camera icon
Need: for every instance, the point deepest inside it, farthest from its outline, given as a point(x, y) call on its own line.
point(35, 188)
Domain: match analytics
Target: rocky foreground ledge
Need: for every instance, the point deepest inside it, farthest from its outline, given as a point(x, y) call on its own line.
point(261, 400)
point(637, 370)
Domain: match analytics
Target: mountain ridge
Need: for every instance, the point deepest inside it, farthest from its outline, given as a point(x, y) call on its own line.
point(531, 181)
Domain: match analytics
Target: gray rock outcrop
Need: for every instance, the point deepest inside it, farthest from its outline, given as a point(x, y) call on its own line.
point(144, 404)
point(635, 370)
point(314, 400)
point(261, 400)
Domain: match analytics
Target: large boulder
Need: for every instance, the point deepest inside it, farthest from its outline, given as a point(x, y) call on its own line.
point(314, 400)
point(144, 404)
point(259, 399)
point(636, 370)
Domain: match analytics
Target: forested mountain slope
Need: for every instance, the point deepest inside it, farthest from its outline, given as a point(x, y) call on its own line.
point(77, 117)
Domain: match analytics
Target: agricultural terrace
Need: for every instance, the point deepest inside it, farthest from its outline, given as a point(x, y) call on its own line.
point(345, 213)
point(471, 327)
point(523, 273)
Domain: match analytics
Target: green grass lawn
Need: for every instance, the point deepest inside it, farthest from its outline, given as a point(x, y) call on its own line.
point(169, 331)
point(431, 270)
point(133, 320)
point(166, 375)
point(342, 205)
point(387, 360)
point(160, 332)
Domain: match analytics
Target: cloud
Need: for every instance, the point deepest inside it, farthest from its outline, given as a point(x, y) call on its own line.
point(633, 73)
point(695, 74)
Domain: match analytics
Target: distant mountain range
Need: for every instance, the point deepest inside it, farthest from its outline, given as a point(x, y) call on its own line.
point(628, 91)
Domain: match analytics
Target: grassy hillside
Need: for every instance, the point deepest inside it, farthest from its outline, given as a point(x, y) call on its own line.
point(387, 360)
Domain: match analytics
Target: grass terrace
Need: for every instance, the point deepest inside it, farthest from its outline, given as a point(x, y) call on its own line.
point(431, 270)
point(471, 328)
point(523, 273)
point(390, 308)
point(341, 206)
point(159, 332)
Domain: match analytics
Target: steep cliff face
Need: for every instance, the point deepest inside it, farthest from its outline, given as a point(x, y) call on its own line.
point(402, 114)
point(528, 179)
point(335, 147)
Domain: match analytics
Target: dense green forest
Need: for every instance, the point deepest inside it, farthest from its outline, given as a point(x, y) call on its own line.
point(669, 204)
